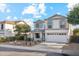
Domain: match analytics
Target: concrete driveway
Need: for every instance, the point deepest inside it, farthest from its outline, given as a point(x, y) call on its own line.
point(71, 49)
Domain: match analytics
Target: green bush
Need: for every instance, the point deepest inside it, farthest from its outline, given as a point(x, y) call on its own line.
point(76, 32)
point(23, 37)
point(29, 39)
point(74, 39)
point(19, 37)
point(10, 39)
point(3, 39)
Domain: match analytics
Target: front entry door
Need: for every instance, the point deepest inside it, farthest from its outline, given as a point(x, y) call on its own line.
point(43, 36)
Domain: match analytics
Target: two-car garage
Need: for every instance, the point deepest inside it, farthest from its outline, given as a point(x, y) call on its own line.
point(57, 36)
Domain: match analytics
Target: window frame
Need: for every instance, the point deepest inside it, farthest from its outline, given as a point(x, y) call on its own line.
point(37, 35)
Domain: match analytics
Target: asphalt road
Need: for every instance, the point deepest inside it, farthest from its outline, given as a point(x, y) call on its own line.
point(16, 49)
point(5, 49)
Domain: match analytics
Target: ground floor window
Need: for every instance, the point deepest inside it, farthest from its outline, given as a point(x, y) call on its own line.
point(37, 35)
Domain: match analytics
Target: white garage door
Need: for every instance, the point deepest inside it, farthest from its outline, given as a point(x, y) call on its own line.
point(57, 38)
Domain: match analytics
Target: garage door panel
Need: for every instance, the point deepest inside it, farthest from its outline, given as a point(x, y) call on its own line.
point(57, 38)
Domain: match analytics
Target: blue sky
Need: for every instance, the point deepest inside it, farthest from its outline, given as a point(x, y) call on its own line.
point(33, 11)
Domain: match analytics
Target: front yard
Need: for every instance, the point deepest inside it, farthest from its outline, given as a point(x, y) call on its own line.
point(22, 43)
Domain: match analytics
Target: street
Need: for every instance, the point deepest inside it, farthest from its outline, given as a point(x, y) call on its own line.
point(38, 50)
point(43, 49)
point(6, 51)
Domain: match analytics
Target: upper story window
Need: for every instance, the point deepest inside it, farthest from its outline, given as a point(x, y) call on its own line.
point(49, 26)
point(2, 26)
point(40, 25)
point(37, 25)
point(62, 26)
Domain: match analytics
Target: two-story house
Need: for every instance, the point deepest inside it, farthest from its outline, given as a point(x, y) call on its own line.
point(52, 29)
point(7, 27)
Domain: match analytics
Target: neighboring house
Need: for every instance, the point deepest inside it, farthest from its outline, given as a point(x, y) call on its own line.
point(7, 28)
point(52, 29)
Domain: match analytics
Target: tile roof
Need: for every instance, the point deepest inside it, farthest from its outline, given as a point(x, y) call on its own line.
point(9, 22)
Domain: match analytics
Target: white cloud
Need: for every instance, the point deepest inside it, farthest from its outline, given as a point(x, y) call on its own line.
point(36, 16)
point(3, 7)
point(11, 18)
point(8, 10)
point(71, 3)
point(35, 9)
point(42, 8)
point(29, 10)
point(58, 13)
point(15, 18)
point(51, 8)
point(8, 17)
point(70, 6)
point(29, 21)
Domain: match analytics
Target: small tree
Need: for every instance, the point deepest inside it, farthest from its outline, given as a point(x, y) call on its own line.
point(73, 16)
point(21, 30)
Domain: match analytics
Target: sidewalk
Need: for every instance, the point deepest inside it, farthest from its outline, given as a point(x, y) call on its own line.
point(70, 49)
point(14, 53)
point(43, 47)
